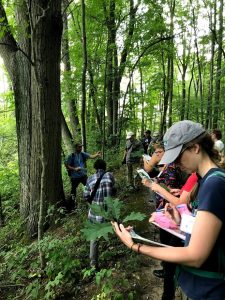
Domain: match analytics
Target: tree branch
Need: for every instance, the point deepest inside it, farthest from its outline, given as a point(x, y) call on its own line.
point(16, 48)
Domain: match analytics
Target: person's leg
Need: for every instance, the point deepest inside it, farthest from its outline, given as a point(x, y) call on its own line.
point(165, 238)
point(136, 176)
point(83, 180)
point(168, 282)
point(94, 254)
point(169, 271)
point(130, 178)
point(74, 183)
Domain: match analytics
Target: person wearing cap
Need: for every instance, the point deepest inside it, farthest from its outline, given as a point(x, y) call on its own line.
point(76, 165)
point(170, 177)
point(201, 262)
point(132, 156)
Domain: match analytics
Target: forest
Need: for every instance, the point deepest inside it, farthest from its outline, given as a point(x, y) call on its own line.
point(90, 71)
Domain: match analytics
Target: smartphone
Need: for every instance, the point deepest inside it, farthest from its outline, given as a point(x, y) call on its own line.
point(144, 175)
point(146, 157)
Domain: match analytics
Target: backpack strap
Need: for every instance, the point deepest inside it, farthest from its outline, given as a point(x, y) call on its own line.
point(95, 188)
point(221, 254)
point(202, 273)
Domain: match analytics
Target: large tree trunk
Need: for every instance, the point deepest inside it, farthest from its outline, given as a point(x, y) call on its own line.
point(37, 104)
point(46, 123)
point(19, 68)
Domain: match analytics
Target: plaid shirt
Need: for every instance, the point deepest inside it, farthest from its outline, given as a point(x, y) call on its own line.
point(105, 189)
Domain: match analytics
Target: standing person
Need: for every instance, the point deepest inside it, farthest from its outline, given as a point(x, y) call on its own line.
point(146, 140)
point(174, 196)
point(151, 166)
point(217, 136)
point(169, 176)
point(105, 188)
point(76, 166)
point(201, 271)
point(132, 156)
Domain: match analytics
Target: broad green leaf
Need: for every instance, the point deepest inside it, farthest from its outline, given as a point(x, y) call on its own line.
point(93, 231)
point(134, 216)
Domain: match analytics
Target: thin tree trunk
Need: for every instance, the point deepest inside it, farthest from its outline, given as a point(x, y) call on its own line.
point(212, 25)
point(70, 98)
point(84, 48)
point(218, 68)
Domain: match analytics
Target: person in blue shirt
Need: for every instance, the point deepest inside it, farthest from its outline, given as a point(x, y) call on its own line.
point(76, 166)
point(201, 272)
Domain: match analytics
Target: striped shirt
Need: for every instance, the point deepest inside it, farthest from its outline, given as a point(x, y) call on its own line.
point(105, 189)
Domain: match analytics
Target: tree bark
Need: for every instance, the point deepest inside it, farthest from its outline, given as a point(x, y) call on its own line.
point(84, 48)
point(36, 84)
point(69, 94)
point(218, 68)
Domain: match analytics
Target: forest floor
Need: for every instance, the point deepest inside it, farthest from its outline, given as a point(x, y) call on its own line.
point(131, 276)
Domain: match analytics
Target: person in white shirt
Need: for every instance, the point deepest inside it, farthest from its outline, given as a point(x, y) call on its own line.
point(217, 136)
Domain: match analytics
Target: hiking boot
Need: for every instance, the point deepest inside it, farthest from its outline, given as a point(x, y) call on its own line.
point(159, 273)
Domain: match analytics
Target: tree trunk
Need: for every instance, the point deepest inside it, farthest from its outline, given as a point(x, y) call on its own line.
point(212, 25)
point(36, 84)
point(84, 46)
point(218, 68)
point(19, 68)
point(66, 135)
point(69, 94)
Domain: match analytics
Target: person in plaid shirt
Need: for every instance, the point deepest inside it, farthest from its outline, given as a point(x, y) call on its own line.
point(106, 188)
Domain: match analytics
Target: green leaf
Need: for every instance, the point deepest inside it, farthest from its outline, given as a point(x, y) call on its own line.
point(98, 210)
point(93, 231)
point(113, 208)
point(135, 216)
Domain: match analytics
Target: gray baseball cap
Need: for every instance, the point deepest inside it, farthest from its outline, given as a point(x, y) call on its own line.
point(178, 135)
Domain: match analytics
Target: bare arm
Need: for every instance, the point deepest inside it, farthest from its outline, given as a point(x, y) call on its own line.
point(98, 154)
point(155, 187)
point(205, 232)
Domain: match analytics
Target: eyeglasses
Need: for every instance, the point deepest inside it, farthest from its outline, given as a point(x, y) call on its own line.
point(177, 160)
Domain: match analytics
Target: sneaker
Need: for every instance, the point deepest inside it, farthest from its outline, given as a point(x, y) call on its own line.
point(159, 273)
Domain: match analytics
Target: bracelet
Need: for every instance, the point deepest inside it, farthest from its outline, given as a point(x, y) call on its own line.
point(132, 246)
point(139, 246)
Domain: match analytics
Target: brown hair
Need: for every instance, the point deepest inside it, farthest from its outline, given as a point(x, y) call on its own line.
point(207, 145)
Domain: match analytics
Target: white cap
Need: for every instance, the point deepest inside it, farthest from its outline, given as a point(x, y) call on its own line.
point(129, 135)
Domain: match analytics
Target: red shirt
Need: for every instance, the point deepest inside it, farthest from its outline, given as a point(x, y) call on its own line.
point(190, 183)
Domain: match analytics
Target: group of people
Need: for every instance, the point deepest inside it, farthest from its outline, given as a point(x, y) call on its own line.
point(134, 152)
point(188, 153)
point(200, 261)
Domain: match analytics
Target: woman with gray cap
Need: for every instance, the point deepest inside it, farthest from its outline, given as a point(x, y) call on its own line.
point(201, 272)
